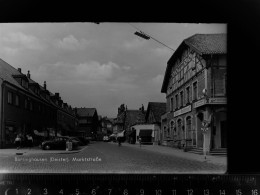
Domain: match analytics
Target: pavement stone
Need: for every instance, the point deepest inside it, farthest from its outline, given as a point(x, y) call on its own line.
point(36, 150)
point(218, 160)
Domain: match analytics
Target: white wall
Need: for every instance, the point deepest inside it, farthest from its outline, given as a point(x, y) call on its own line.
point(145, 126)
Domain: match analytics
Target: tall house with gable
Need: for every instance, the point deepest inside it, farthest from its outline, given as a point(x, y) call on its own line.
point(195, 84)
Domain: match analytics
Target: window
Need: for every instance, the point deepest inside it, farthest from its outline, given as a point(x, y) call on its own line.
point(176, 101)
point(10, 98)
point(195, 90)
point(31, 105)
point(17, 100)
point(188, 127)
point(25, 103)
point(171, 106)
point(172, 128)
point(24, 83)
point(188, 94)
point(181, 99)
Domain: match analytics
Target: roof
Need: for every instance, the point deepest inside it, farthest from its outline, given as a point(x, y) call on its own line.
point(135, 116)
point(6, 72)
point(203, 44)
point(86, 111)
point(157, 109)
point(208, 43)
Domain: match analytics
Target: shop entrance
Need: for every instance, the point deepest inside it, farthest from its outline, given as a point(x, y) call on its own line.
point(200, 118)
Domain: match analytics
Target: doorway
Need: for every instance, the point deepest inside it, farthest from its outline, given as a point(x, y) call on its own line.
point(223, 132)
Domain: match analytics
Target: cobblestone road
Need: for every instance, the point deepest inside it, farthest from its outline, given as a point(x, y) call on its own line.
point(102, 157)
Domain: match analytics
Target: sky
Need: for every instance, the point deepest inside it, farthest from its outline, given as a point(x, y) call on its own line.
point(97, 65)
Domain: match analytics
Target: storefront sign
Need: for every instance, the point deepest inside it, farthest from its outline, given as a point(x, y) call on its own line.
point(199, 103)
point(210, 101)
point(217, 100)
point(182, 111)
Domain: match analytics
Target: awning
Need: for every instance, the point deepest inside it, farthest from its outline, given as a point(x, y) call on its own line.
point(145, 132)
point(120, 134)
point(112, 135)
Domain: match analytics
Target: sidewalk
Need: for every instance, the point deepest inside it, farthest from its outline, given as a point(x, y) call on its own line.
point(218, 160)
point(36, 150)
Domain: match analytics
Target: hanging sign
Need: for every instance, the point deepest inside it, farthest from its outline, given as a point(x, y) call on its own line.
point(205, 126)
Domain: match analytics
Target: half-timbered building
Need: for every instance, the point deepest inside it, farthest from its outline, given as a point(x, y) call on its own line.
point(195, 87)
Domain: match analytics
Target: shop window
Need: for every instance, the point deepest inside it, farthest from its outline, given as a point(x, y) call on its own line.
point(179, 128)
point(10, 97)
point(188, 127)
point(9, 134)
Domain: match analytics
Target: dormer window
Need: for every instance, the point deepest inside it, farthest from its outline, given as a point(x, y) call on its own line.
point(24, 83)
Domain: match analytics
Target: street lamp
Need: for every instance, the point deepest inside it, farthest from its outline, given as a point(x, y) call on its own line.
point(141, 34)
point(147, 37)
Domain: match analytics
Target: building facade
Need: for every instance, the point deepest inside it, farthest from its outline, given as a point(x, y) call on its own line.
point(107, 125)
point(26, 107)
point(126, 119)
point(153, 116)
point(88, 121)
point(195, 84)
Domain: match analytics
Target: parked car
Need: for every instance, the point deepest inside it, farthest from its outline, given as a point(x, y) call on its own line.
point(83, 140)
point(59, 143)
point(105, 138)
point(112, 138)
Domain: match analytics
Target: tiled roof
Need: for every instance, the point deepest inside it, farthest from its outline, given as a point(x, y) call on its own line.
point(6, 72)
point(135, 116)
point(157, 108)
point(203, 44)
point(208, 43)
point(86, 111)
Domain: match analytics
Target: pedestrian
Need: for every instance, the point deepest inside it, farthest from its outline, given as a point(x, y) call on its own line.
point(17, 142)
point(140, 141)
point(119, 141)
point(30, 141)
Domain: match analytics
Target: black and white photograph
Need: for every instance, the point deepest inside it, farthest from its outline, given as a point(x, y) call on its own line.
point(113, 97)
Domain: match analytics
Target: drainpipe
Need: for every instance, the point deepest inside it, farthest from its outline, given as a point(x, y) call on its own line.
point(2, 114)
point(213, 95)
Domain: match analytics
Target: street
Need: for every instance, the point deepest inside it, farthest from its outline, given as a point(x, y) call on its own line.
point(103, 157)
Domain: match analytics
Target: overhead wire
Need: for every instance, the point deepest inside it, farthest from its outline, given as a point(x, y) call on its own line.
point(151, 37)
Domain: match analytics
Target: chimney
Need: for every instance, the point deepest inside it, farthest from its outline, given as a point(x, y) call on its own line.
point(44, 85)
point(28, 74)
point(57, 95)
point(20, 70)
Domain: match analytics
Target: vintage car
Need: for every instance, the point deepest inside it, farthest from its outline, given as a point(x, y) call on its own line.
point(105, 138)
point(59, 143)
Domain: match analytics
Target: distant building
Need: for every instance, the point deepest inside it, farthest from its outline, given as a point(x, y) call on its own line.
point(153, 116)
point(28, 108)
point(195, 85)
point(88, 121)
point(107, 125)
point(127, 118)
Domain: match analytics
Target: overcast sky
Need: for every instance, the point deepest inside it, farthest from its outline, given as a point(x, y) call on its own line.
point(97, 65)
